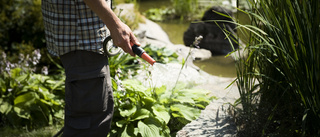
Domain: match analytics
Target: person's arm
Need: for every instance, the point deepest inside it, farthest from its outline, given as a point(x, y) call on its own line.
point(121, 34)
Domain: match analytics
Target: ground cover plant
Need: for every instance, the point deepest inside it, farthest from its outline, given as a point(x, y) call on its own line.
point(278, 80)
point(155, 111)
point(143, 111)
point(29, 99)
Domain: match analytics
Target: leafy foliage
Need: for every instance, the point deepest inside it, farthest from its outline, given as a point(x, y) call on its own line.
point(179, 9)
point(161, 54)
point(29, 99)
point(141, 111)
point(279, 79)
point(124, 63)
point(21, 21)
point(161, 14)
point(185, 8)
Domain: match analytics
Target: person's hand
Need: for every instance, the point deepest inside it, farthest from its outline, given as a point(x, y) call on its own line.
point(124, 38)
point(121, 34)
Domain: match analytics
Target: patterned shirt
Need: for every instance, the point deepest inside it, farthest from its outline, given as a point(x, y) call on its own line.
point(71, 25)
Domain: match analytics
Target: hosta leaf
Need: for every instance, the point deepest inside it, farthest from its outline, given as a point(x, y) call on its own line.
point(136, 131)
point(59, 114)
point(202, 99)
point(164, 98)
point(161, 90)
point(2, 86)
point(22, 78)
point(41, 78)
point(184, 99)
point(165, 132)
point(45, 102)
point(120, 123)
point(200, 106)
point(141, 114)
point(25, 99)
point(180, 86)
point(149, 130)
point(188, 113)
point(148, 101)
point(176, 115)
point(23, 113)
point(114, 84)
point(56, 102)
point(125, 112)
point(15, 72)
point(5, 107)
point(161, 112)
point(133, 85)
point(45, 93)
point(125, 133)
point(131, 130)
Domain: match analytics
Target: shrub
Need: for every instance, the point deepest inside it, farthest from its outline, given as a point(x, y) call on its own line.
point(21, 21)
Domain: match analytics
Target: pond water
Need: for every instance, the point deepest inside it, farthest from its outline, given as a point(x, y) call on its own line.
point(216, 65)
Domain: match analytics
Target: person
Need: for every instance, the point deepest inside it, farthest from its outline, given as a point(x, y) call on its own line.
point(75, 30)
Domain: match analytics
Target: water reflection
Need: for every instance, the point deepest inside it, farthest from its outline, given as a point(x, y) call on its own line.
point(174, 30)
point(218, 66)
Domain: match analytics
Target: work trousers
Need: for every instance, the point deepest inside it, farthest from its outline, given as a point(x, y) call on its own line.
point(88, 95)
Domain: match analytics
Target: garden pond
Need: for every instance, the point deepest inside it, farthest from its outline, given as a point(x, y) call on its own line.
point(216, 65)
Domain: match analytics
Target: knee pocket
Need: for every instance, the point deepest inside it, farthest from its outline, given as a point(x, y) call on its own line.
point(87, 96)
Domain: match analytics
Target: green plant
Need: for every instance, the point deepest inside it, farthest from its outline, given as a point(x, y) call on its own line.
point(161, 54)
point(157, 111)
point(20, 21)
point(279, 80)
point(124, 63)
point(127, 64)
point(28, 99)
point(185, 8)
point(159, 14)
point(47, 131)
point(141, 111)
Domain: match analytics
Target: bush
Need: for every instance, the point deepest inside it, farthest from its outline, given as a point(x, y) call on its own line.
point(21, 21)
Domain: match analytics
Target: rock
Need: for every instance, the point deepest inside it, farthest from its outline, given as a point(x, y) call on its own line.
point(214, 39)
point(151, 33)
point(214, 120)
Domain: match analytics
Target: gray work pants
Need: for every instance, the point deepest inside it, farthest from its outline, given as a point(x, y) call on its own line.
point(88, 95)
